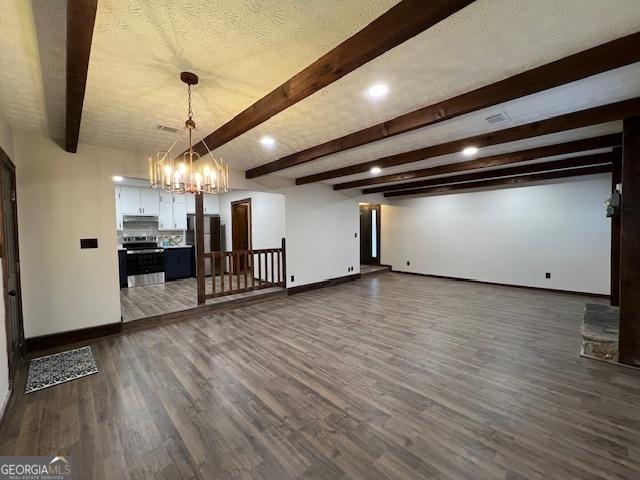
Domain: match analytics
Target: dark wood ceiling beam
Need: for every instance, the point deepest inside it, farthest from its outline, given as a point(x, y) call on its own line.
point(496, 182)
point(403, 21)
point(602, 58)
point(81, 16)
point(569, 121)
point(576, 146)
point(575, 162)
point(629, 335)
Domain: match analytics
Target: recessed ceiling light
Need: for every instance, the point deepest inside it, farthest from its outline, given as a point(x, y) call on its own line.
point(468, 151)
point(378, 90)
point(376, 170)
point(117, 178)
point(267, 141)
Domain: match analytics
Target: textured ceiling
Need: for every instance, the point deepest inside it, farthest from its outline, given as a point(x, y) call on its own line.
point(597, 90)
point(485, 42)
point(21, 92)
point(243, 49)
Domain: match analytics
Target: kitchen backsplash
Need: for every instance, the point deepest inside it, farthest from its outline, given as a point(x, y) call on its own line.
point(141, 227)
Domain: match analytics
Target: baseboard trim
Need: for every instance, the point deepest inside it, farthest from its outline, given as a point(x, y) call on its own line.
point(59, 341)
point(541, 289)
point(53, 340)
point(325, 283)
point(5, 403)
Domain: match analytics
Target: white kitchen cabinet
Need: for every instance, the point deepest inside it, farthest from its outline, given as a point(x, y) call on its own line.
point(118, 210)
point(139, 201)
point(181, 198)
point(130, 200)
point(180, 214)
point(211, 204)
point(173, 212)
point(166, 197)
point(190, 201)
point(149, 201)
point(165, 217)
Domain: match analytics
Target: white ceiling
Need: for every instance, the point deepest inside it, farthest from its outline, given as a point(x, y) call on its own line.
point(240, 49)
point(22, 100)
point(483, 43)
point(243, 49)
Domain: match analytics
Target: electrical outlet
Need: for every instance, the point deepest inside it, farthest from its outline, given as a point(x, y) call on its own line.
point(408, 263)
point(547, 275)
point(292, 277)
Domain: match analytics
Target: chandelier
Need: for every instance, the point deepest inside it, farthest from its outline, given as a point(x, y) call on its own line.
point(188, 173)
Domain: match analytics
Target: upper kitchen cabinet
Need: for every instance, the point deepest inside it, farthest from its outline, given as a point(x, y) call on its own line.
point(118, 210)
point(211, 204)
point(149, 201)
point(180, 211)
point(173, 212)
point(139, 201)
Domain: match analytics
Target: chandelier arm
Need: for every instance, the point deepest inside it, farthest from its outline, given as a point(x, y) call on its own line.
point(215, 160)
point(186, 176)
point(166, 154)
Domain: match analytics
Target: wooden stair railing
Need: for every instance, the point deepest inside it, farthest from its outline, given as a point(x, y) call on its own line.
point(239, 271)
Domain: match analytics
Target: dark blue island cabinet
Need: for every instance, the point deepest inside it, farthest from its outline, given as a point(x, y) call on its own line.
point(122, 266)
point(178, 263)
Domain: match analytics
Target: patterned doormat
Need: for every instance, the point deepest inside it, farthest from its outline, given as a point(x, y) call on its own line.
point(58, 368)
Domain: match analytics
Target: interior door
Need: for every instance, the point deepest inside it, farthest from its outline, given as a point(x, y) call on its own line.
point(369, 234)
point(241, 228)
point(11, 266)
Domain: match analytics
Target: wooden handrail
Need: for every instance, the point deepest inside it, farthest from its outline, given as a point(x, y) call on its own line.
point(236, 270)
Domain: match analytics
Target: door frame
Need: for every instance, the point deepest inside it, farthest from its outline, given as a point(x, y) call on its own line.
point(250, 222)
point(378, 208)
point(14, 359)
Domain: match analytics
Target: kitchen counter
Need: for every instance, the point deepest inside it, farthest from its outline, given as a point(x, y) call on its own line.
point(120, 247)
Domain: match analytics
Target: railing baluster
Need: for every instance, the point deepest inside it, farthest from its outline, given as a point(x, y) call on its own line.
point(278, 263)
point(213, 271)
point(221, 258)
point(272, 270)
point(237, 255)
point(253, 272)
point(245, 264)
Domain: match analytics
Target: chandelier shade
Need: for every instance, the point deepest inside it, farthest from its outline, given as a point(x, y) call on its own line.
point(188, 173)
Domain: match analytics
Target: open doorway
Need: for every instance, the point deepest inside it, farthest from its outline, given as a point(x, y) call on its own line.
point(10, 266)
point(369, 234)
point(241, 230)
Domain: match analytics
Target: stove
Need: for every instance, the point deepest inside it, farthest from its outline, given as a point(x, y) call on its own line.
point(145, 261)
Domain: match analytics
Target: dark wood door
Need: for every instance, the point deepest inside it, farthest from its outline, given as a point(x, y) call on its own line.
point(241, 229)
point(11, 266)
point(370, 234)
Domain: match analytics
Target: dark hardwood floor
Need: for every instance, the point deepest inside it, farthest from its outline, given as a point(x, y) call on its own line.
point(390, 376)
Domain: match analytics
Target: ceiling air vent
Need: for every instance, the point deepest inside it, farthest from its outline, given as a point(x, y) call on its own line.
point(498, 118)
point(164, 128)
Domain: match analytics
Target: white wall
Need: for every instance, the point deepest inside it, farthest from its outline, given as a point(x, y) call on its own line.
point(267, 217)
point(6, 137)
point(62, 198)
point(267, 221)
point(321, 225)
point(6, 143)
point(511, 235)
